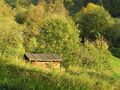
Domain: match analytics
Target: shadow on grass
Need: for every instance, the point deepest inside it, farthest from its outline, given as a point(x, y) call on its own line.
point(115, 52)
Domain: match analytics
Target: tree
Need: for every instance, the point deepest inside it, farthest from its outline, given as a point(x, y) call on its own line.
point(93, 20)
point(113, 6)
point(114, 34)
point(75, 6)
point(36, 15)
point(10, 34)
point(59, 35)
point(55, 6)
point(16, 3)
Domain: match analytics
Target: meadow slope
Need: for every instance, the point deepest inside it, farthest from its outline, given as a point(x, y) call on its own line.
point(16, 75)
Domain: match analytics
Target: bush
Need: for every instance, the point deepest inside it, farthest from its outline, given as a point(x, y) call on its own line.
point(101, 43)
point(59, 35)
point(93, 20)
point(94, 58)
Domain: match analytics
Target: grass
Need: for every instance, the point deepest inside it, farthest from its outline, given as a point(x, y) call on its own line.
point(17, 75)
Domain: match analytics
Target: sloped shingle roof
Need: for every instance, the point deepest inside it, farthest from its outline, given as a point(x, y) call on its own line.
point(43, 57)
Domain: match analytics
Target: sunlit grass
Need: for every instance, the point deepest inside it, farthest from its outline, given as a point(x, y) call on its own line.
point(17, 75)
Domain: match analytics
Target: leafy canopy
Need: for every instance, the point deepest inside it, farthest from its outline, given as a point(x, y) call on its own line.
point(59, 35)
point(10, 35)
point(93, 20)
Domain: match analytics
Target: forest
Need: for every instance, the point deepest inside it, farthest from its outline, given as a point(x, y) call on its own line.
point(84, 33)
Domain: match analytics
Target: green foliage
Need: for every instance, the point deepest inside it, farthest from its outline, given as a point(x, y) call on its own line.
point(56, 7)
point(21, 14)
point(46, 27)
point(93, 20)
point(59, 35)
point(35, 2)
point(32, 20)
point(101, 43)
point(10, 35)
point(115, 51)
point(74, 5)
point(112, 6)
point(15, 3)
point(16, 75)
point(36, 15)
point(95, 58)
point(114, 34)
point(32, 44)
point(29, 34)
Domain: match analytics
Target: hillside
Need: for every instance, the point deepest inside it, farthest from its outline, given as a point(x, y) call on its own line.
point(79, 37)
point(17, 75)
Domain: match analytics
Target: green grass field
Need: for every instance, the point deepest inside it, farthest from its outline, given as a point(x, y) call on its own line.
point(17, 75)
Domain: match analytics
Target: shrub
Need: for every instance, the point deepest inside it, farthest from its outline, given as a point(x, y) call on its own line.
point(101, 43)
point(93, 20)
point(59, 35)
point(95, 58)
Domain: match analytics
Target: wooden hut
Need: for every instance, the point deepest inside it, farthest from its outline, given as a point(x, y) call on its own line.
point(43, 60)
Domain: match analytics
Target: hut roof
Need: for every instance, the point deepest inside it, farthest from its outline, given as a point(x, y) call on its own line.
point(42, 57)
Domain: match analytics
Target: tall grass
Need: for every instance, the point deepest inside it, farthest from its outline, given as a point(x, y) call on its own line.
point(16, 75)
